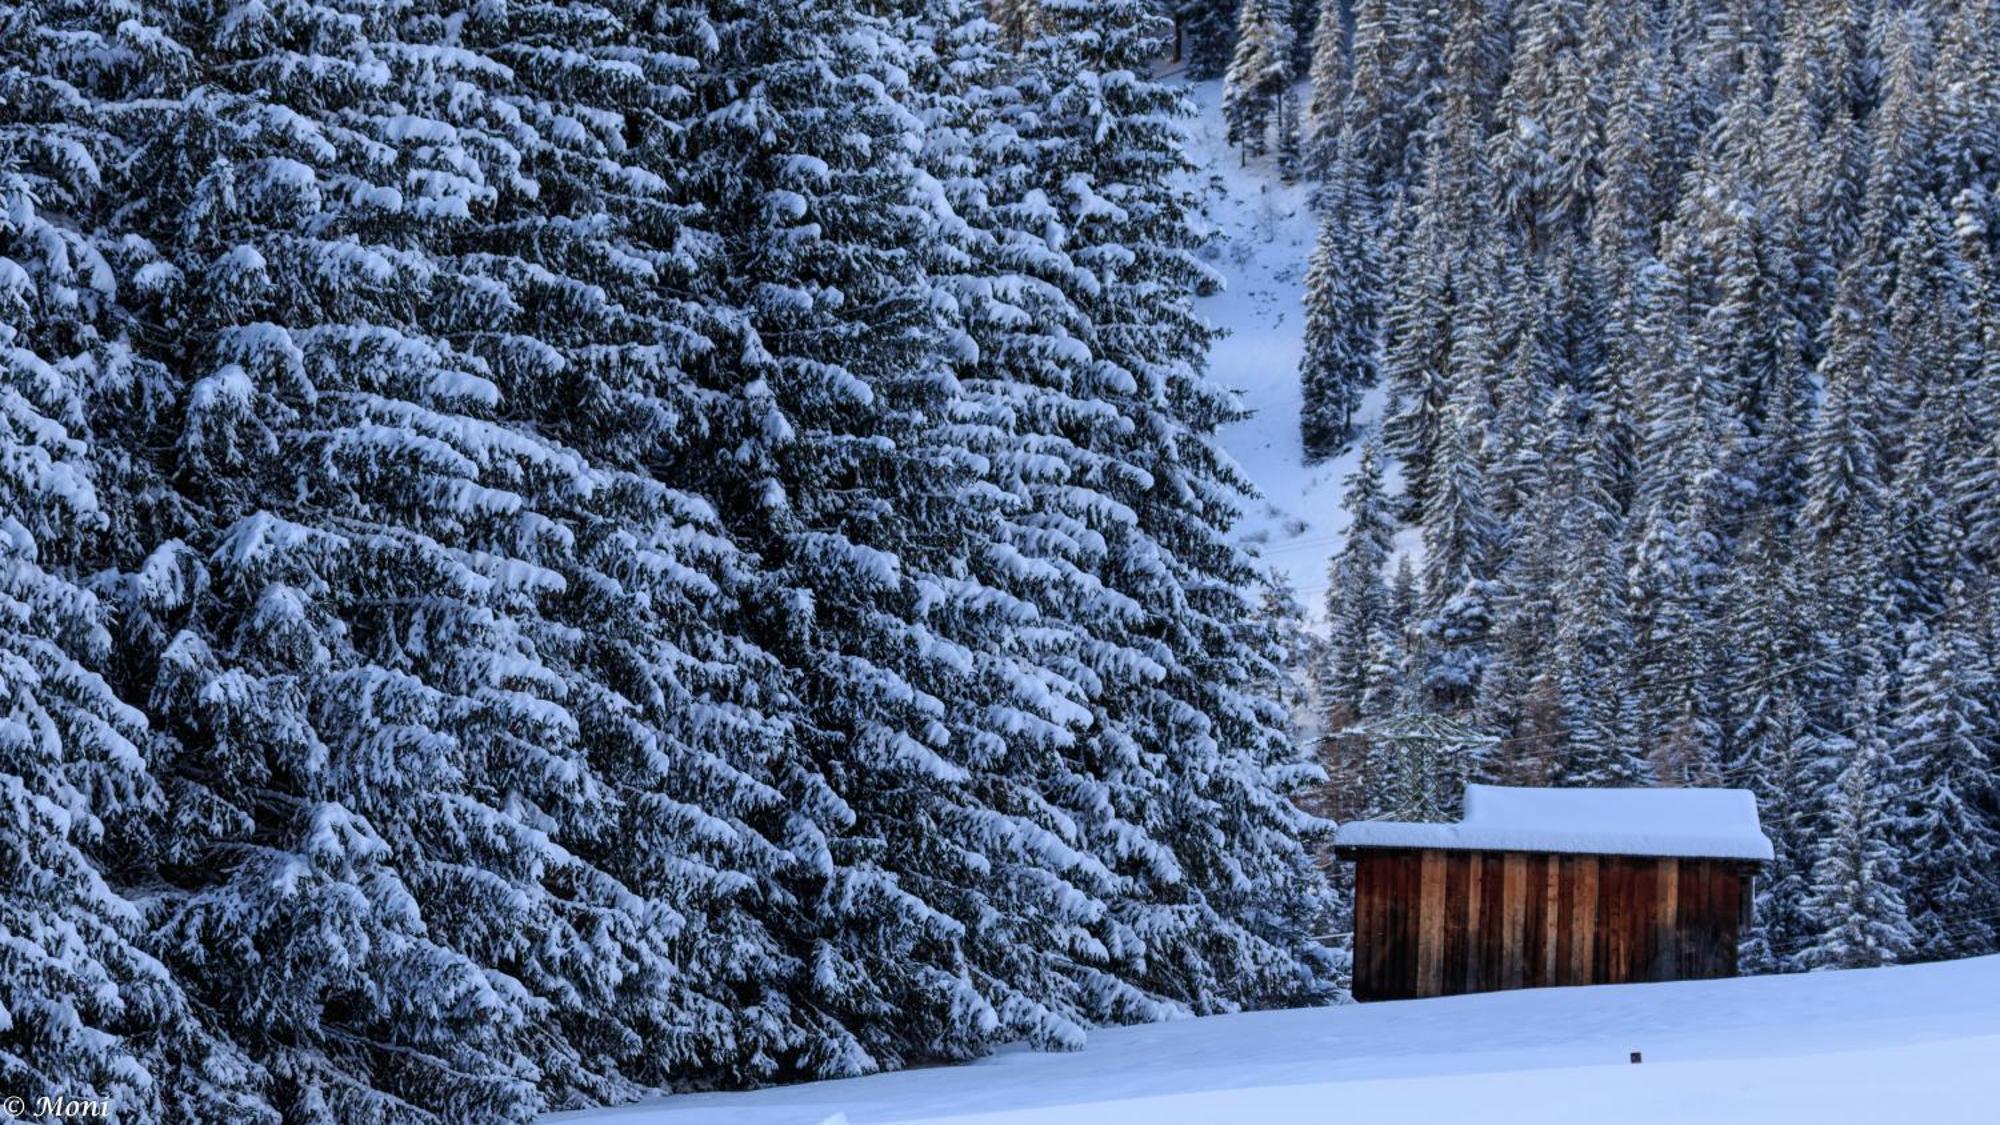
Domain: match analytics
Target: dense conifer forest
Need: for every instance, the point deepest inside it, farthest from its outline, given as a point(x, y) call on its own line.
point(1688, 316)
point(551, 551)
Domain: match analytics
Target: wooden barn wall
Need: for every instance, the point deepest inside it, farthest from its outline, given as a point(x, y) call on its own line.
point(1437, 923)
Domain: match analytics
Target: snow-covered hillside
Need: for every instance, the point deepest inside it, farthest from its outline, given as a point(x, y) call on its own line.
point(1262, 235)
point(1915, 1043)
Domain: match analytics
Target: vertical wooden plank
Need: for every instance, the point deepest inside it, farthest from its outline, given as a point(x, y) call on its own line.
point(1531, 920)
point(1392, 924)
point(1600, 953)
point(1638, 916)
point(1456, 870)
point(1551, 927)
point(1385, 887)
point(1613, 890)
point(1399, 944)
point(1639, 923)
point(1514, 902)
point(1666, 920)
point(1708, 951)
point(1475, 932)
point(1565, 915)
point(1687, 913)
point(1583, 922)
point(1385, 923)
point(1729, 913)
point(1413, 919)
point(1539, 868)
point(1430, 925)
point(1496, 920)
point(1746, 910)
point(1367, 942)
point(1711, 921)
point(1718, 921)
point(1645, 919)
point(1403, 961)
point(1415, 947)
point(1531, 901)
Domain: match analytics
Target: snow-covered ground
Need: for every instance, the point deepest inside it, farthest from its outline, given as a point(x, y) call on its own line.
point(1263, 234)
point(1917, 1043)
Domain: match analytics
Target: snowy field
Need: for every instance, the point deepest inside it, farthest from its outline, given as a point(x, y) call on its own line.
point(1261, 236)
point(1918, 1043)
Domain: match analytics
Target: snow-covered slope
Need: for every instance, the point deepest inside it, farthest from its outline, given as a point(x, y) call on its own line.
point(1263, 233)
point(1916, 1043)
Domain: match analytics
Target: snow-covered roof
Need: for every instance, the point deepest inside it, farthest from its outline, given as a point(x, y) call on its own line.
point(1704, 823)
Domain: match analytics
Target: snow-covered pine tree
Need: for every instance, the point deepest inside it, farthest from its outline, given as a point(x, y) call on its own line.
point(1519, 693)
point(1341, 359)
point(1038, 933)
point(1292, 653)
point(1845, 502)
point(1357, 594)
point(1534, 154)
point(1685, 501)
point(674, 705)
point(1900, 132)
point(371, 704)
point(1451, 251)
point(1204, 31)
point(1330, 73)
point(85, 1010)
point(1196, 765)
point(1771, 748)
point(864, 510)
point(1372, 101)
point(1290, 155)
point(262, 847)
point(1259, 78)
point(1593, 646)
point(1415, 325)
point(1947, 835)
point(1968, 93)
point(1855, 905)
point(1460, 540)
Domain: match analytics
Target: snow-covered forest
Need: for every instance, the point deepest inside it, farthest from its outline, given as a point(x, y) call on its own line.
point(551, 551)
point(1688, 318)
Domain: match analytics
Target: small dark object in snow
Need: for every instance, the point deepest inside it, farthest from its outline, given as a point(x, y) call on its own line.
point(1635, 1058)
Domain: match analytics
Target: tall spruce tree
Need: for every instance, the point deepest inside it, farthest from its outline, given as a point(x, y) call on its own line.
point(86, 1011)
point(1256, 89)
point(1856, 904)
point(1341, 360)
point(1192, 757)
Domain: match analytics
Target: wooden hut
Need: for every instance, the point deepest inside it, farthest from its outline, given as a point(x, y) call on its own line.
point(1538, 887)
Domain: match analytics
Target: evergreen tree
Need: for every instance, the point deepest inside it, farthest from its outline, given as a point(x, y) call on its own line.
point(1947, 833)
point(1204, 32)
point(1357, 611)
point(1855, 905)
point(1340, 361)
point(1460, 538)
point(85, 1011)
point(1256, 88)
point(1330, 72)
point(1196, 762)
point(1593, 644)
